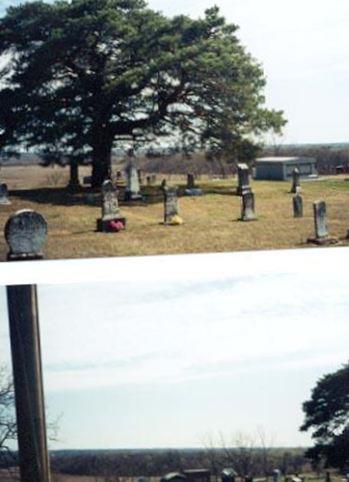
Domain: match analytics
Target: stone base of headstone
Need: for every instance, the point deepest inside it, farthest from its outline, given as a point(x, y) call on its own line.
point(328, 241)
point(250, 217)
point(129, 197)
point(194, 192)
point(103, 225)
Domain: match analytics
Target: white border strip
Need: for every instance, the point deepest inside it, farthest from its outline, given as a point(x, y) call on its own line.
point(319, 261)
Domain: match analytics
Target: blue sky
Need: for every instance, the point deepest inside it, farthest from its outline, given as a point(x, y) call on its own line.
point(302, 46)
point(169, 360)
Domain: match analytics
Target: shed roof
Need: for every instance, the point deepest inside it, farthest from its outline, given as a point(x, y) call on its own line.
point(284, 159)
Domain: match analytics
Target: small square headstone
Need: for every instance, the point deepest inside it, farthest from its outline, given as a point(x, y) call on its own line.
point(247, 206)
point(4, 194)
point(190, 181)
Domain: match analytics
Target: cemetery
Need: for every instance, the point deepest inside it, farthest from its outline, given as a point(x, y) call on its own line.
point(151, 214)
point(174, 213)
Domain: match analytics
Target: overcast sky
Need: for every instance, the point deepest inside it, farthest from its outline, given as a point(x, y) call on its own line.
point(164, 359)
point(303, 47)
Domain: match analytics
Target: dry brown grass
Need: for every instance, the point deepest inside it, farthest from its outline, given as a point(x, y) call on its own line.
point(210, 222)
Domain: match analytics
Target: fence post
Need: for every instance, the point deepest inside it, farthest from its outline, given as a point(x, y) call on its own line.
point(25, 233)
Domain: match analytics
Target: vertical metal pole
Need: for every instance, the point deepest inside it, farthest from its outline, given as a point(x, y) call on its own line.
point(27, 372)
point(26, 351)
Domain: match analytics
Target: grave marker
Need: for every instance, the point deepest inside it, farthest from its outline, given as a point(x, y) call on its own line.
point(111, 220)
point(4, 194)
point(247, 206)
point(243, 179)
point(296, 186)
point(322, 236)
point(276, 475)
point(171, 215)
point(228, 475)
point(297, 201)
point(132, 191)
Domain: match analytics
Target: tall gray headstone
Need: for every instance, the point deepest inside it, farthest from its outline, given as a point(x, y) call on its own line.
point(132, 191)
point(247, 206)
point(297, 201)
point(170, 203)
point(243, 179)
point(295, 187)
point(4, 194)
point(110, 208)
point(25, 233)
point(320, 220)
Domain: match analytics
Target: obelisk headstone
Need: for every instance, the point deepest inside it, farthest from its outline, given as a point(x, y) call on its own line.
point(132, 191)
point(243, 179)
point(296, 186)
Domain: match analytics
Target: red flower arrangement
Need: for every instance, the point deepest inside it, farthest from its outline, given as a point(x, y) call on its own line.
point(115, 226)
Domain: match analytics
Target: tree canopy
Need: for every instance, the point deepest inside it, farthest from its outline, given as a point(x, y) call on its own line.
point(327, 415)
point(85, 76)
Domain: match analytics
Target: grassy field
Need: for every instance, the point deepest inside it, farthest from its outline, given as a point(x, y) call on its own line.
point(210, 222)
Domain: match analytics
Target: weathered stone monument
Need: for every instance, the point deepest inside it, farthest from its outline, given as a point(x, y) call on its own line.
point(132, 191)
point(247, 206)
point(192, 189)
point(111, 220)
point(243, 179)
point(171, 215)
point(4, 194)
point(322, 236)
point(296, 186)
point(25, 233)
point(297, 202)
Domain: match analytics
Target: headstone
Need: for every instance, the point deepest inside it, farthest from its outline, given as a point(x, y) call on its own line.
point(25, 233)
point(295, 181)
point(340, 169)
point(4, 194)
point(132, 191)
point(320, 220)
point(171, 215)
point(228, 475)
point(297, 201)
point(112, 220)
point(247, 206)
point(190, 181)
point(276, 475)
point(321, 230)
point(243, 179)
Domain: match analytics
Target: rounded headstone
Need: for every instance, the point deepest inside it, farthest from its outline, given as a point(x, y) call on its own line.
point(25, 233)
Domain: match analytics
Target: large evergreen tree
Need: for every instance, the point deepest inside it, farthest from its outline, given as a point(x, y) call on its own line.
point(327, 415)
point(89, 75)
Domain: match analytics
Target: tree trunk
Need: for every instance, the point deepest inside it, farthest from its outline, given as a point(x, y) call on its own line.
point(74, 175)
point(101, 163)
